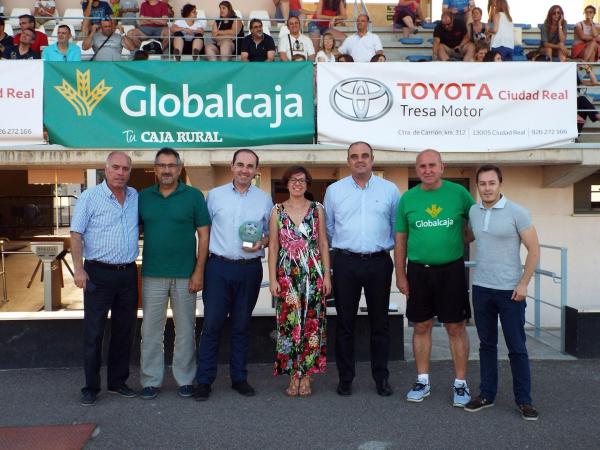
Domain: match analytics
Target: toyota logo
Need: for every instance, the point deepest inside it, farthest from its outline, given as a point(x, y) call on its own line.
point(360, 99)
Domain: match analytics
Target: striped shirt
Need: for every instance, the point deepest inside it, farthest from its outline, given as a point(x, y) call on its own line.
point(110, 231)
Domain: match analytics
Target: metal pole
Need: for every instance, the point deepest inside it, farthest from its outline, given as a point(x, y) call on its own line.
point(537, 296)
point(3, 273)
point(563, 296)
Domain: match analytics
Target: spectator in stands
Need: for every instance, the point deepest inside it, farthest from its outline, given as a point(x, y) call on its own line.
point(344, 58)
point(502, 31)
point(554, 34)
point(96, 10)
point(152, 23)
point(284, 9)
point(492, 56)
point(586, 44)
point(27, 22)
point(461, 9)
point(62, 50)
point(405, 16)
point(226, 32)
point(257, 46)
point(585, 108)
point(24, 49)
point(298, 57)
point(44, 11)
point(188, 33)
point(128, 10)
point(451, 40)
point(140, 55)
point(106, 43)
point(328, 51)
point(476, 28)
point(6, 40)
point(481, 48)
point(329, 13)
point(295, 43)
point(380, 57)
point(362, 45)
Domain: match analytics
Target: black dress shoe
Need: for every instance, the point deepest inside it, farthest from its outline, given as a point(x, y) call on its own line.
point(201, 392)
point(123, 391)
point(344, 388)
point(243, 388)
point(384, 389)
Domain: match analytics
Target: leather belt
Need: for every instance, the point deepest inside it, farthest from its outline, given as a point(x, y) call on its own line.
point(236, 261)
point(110, 266)
point(361, 255)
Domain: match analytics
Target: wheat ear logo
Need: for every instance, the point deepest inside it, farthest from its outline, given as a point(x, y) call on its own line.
point(84, 99)
point(434, 210)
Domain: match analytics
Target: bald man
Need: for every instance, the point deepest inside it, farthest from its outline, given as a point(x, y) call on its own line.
point(430, 227)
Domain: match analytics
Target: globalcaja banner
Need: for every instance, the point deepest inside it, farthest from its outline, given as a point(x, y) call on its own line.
point(188, 104)
point(21, 102)
point(447, 106)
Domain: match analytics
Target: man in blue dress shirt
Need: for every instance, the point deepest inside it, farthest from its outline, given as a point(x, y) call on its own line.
point(361, 211)
point(104, 231)
point(233, 273)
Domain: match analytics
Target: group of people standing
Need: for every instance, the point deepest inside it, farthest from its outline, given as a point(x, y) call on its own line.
point(363, 218)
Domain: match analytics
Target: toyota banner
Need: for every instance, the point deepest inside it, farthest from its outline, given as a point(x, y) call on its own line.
point(447, 106)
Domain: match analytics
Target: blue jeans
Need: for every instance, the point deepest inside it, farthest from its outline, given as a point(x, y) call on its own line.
point(488, 304)
point(229, 289)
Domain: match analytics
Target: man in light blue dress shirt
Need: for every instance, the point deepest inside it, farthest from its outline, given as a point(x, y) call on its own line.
point(361, 211)
point(233, 273)
point(62, 50)
point(104, 231)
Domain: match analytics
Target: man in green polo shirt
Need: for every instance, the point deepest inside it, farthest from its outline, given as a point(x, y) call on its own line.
point(171, 214)
point(430, 226)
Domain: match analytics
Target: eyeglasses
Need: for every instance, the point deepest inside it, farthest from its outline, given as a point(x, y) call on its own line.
point(166, 166)
point(297, 181)
point(557, 12)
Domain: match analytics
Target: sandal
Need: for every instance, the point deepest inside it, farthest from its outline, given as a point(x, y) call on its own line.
point(305, 390)
point(292, 390)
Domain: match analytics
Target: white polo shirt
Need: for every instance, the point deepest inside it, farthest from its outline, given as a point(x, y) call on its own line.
point(362, 49)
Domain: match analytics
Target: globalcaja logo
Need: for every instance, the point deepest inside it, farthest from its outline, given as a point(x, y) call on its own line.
point(360, 99)
point(434, 210)
point(84, 99)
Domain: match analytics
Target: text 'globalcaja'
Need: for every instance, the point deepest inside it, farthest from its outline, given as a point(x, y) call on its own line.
point(140, 101)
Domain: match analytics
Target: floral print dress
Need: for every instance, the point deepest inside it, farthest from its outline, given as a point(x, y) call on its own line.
point(300, 308)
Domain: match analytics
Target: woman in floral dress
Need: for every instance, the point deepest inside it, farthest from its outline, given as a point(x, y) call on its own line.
point(299, 280)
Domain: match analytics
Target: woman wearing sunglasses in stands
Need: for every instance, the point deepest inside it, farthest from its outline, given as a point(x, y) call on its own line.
point(554, 34)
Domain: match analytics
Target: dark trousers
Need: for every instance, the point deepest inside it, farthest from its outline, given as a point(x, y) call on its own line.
point(229, 289)
point(350, 275)
point(489, 304)
point(115, 291)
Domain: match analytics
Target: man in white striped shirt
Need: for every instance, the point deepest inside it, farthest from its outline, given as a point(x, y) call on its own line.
point(104, 230)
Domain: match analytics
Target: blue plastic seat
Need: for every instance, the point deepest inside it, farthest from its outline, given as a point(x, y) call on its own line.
point(429, 26)
point(417, 58)
point(412, 41)
point(519, 58)
point(569, 42)
point(531, 41)
point(524, 26)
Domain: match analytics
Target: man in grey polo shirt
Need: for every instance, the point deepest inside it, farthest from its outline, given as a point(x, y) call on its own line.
point(500, 288)
point(105, 41)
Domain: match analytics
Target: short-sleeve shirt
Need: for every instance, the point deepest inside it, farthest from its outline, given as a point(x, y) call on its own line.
point(128, 17)
point(161, 9)
point(111, 51)
point(6, 41)
point(52, 53)
point(12, 52)
point(453, 37)
point(302, 45)
point(97, 13)
point(170, 230)
point(199, 24)
point(258, 52)
point(497, 238)
point(362, 49)
point(109, 230)
point(461, 5)
point(551, 37)
point(434, 222)
point(41, 40)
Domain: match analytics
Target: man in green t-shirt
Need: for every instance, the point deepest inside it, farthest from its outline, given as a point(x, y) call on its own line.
point(171, 214)
point(430, 226)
